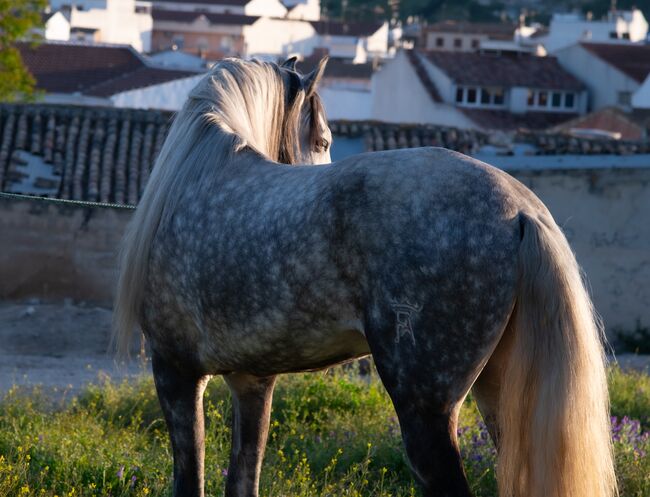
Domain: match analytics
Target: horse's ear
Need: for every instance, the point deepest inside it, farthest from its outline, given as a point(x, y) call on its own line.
point(290, 63)
point(311, 80)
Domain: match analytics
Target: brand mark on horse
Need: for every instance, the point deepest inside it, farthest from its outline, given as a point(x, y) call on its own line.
point(403, 315)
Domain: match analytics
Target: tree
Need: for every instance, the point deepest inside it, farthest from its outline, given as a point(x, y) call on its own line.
point(19, 20)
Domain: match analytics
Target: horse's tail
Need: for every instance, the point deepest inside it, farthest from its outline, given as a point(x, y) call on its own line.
point(554, 434)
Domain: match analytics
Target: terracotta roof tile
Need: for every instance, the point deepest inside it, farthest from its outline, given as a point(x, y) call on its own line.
point(97, 70)
point(632, 60)
point(144, 76)
point(504, 120)
point(106, 154)
point(340, 28)
point(183, 16)
point(500, 31)
point(631, 125)
point(338, 68)
point(94, 153)
point(529, 71)
point(71, 67)
point(235, 3)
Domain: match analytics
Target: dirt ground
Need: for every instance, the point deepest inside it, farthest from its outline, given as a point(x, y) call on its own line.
point(56, 345)
point(65, 346)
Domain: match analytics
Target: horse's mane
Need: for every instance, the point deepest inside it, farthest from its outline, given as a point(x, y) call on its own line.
point(237, 104)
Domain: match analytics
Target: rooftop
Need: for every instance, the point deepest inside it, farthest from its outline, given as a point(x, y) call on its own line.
point(105, 154)
point(631, 59)
point(528, 71)
point(183, 16)
point(340, 28)
point(627, 125)
point(503, 120)
point(496, 31)
point(81, 153)
point(237, 3)
point(338, 68)
point(91, 69)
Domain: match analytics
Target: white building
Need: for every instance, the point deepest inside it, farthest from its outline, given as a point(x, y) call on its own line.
point(57, 26)
point(613, 72)
point(271, 37)
point(126, 22)
point(476, 90)
point(567, 29)
point(359, 41)
point(306, 10)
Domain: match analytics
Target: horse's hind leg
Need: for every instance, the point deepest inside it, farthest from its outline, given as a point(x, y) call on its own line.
point(429, 436)
point(251, 399)
point(487, 388)
point(181, 398)
point(427, 408)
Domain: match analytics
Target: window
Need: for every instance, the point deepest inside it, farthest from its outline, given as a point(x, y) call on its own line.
point(458, 42)
point(551, 100)
point(471, 95)
point(440, 42)
point(613, 35)
point(625, 98)
point(485, 96)
point(569, 100)
point(556, 99)
point(475, 43)
point(479, 97)
point(498, 96)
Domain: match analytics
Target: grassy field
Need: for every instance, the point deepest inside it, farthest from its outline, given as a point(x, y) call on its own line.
point(332, 434)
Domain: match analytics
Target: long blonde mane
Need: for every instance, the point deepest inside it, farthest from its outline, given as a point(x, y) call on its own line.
point(237, 104)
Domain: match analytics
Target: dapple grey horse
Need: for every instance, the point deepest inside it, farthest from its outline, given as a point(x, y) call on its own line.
point(452, 274)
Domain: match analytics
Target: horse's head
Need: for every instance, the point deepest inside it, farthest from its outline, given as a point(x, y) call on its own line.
point(307, 137)
point(266, 107)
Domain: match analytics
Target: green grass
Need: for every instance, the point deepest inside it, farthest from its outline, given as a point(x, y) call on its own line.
point(331, 435)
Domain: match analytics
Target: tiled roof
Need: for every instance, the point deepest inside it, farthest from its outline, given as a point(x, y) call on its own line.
point(144, 76)
point(631, 125)
point(632, 60)
point(384, 136)
point(338, 68)
point(423, 76)
point(106, 154)
point(91, 153)
point(235, 3)
point(340, 28)
point(560, 144)
point(529, 71)
point(504, 120)
point(496, 31)
point(76, 67)
point(184, 16)
point(97, 70)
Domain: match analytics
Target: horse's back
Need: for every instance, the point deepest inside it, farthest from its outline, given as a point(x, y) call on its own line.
point(282, 273)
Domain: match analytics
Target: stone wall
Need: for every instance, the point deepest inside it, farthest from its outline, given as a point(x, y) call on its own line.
point(605, 214)
point(54, 252)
